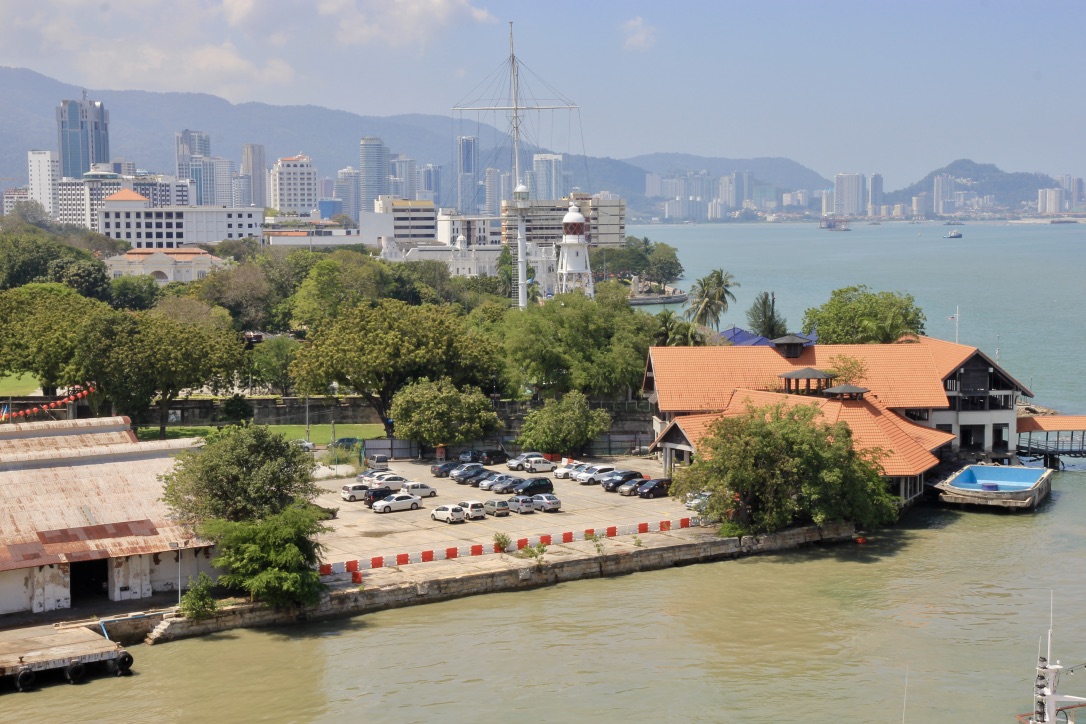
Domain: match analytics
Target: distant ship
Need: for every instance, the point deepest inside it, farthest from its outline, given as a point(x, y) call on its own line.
point(954, 235)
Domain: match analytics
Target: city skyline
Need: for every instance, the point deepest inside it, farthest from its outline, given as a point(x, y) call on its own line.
point(926, 84)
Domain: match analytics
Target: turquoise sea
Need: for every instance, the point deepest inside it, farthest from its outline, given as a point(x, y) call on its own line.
point(1020, 288)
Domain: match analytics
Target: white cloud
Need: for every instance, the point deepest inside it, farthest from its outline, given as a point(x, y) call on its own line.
point(639, 34)
point(400, 22)
point(237, 11)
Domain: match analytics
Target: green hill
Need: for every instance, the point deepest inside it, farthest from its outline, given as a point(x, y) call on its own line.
point(1009, 189)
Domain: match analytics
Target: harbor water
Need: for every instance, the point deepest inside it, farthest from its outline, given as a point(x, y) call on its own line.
point(937, 619)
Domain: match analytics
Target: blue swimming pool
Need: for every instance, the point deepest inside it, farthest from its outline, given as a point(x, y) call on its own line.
point(997, 477)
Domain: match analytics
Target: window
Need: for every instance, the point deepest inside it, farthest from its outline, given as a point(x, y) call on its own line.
point(169, 234)
point(158, 235)
point(128, 234)
point(107, 224)
point(128, 214)
point(158, 244)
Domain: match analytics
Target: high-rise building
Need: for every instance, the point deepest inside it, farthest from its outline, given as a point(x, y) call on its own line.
point(428, 184)
point(372, 170)
point(346, 190)
point(403, 177)
point(83, 135)
point(547, 173)
point(467, 174)
point(874, 195)
point(493, 184)
point(849, 194)
point(241, 190)
point(188, 144)
point(943, 194)
point(293, 185)
point(214, 180)
point(254, 166)
point(44, 173)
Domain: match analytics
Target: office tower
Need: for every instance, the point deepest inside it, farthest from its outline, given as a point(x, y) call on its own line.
point(214, 180)
point(83, 135)
point(467, 167)
point(293, 185)
point(874, 195)
point(188, 144)
point(849, 194)
point(428, 184)
point(403, 177)
point(493, 185)
point(373, 172)
point(44, 173)
point(943, 194)
point(547, 170)
point(241, 188)
point(744, 188)
point(254, 166)
point(346, 190)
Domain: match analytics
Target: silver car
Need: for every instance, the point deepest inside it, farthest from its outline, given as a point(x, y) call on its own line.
point(521, 504)
point(473, 509)
point(544, 502)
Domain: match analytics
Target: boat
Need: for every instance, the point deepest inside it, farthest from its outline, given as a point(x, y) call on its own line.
point(644, 299)
point(1046, 702)
point(1003, 486)
point(954, 223)
point(954, 235)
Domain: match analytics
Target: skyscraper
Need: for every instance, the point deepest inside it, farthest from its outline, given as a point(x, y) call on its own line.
point(293, 185)
point(373, 172)
point(254, 166)
point(188, 144)
point(428, 184)
point(943, 194)
point(849, 194)
point(874, 195)
point(346, 190)
point(402, 183)
point(44, 173)
point(547, 172)
point(467, 174)
point(83, 136)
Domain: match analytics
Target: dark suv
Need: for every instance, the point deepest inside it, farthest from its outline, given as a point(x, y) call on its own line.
point(534, 486)
point(617, 478)
point(372, 495)
point(493, 457)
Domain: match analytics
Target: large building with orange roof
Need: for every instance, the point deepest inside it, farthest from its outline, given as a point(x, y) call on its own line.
point(915, 400)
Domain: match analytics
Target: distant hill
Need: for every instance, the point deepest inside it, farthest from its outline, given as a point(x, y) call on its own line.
point(1009, 189)
point(783, 173)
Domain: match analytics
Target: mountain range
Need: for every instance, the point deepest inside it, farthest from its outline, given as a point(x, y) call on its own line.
point(143, 123)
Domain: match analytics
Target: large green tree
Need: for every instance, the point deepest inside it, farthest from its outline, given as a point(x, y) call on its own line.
point(336, 284)
point(374, 349)
point(663, 265)
point(566, 425)
point(779, 466)
point(436, 413)
point(709, 298)
point(271, 360)
point(764, 319)
point(242, 290)
point(841, 320)
point(244, 472)
point(134, 292)
point(673, 331)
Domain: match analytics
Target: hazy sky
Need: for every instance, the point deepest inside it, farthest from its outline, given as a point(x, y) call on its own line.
point(896, 88)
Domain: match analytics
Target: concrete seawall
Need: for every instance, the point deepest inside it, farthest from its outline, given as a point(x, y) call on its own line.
point(417, 584)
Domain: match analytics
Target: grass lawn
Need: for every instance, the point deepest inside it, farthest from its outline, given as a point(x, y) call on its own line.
point(320, 434)
point(17, 385)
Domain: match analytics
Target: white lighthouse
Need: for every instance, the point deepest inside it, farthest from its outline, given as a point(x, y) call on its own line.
point(573, 269)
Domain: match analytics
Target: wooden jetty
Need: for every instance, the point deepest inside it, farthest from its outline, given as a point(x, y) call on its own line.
point(1052, 437)
point(26, 651)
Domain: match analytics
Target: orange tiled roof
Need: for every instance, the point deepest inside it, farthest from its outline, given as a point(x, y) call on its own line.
point(279, 232)
point(1052, 423)
point(126, 195)
point(186, 253)
point(906, 446)
point(689, 379)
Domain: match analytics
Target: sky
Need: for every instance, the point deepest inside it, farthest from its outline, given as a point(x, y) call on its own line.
point(845, 86)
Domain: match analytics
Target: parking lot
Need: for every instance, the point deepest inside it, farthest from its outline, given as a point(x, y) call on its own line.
point(361, 533)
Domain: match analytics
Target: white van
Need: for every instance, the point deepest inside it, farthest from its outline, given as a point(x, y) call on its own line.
point(377, 462)
point(354, 491)
point(420, 489)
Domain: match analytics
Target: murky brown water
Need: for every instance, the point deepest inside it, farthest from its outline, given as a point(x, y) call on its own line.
point(822, 635)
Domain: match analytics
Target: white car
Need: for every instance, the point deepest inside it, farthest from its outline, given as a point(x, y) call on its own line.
point(570, 469)
point(473, 509)
point(538, 465)
point(696, 501)
point(397, 501)
point(449, 514)
point(545, 501)
point(353, 491)
point(521, 504)
point(420, 489)
point(592, 475)
point(519, 461)
point(382, 476)
point(305, 445)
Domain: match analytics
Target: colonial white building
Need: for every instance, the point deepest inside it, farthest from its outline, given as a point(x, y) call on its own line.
point(165, 265)
point(465, 260)
point(128, 216)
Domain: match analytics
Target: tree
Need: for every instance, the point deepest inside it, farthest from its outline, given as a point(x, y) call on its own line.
point(137, 293)
point(336, 284)
point(374, 349)
point(272, 359)
point(886, 329)
point(274, 559)
point(242, 290)
point(566, 426)
point(763, 318)
point(780, 466)
point(86, 276)
point(847, 370)
point(436, 413)
point(840, 320)
point(673, 331)
point(244, 472)
point(709, 297)
point(663, 265)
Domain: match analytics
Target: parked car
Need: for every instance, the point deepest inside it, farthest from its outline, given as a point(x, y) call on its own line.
point(392, 480)
point(656, 488)
point(518, 462)
point(442, 470)
point(611, 482)
point(545, 502)
point(539, 465)
point(347, 442)
point(470, 456)
point(497, 508)
point(464, 470)
point(305, 445)
point(593, 475)
point(377, 462)
point(374, 495)
point(630, 486)
point(420, 489)
point(365, 473)
point(473, 509)
point(449, 514)
point(353, 491)
point(496, 481)
point(493, 457)
point(397, 501)
point(521, 504)
point(569, 469)
point(506, 486)
point(534, 486)
point(696, 501)
point(476, 477)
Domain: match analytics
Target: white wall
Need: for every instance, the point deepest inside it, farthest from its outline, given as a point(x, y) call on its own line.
point(37, 589)
point(163, 573)
point(129, 578)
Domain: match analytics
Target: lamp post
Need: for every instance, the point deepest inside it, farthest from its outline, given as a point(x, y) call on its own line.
point(176, 545)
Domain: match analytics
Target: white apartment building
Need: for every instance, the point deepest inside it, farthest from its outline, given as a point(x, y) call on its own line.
point(413, 221)
point(44, 174)
point(293, 185)
point(477, 229)
point(80, 200)
point(14, 196)
point(605, 219)
point(165, 190)
point(128, 216)
point(850, 194)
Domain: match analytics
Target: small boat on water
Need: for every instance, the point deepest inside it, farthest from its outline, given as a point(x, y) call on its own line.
point(954, 235)
point(1048, 706)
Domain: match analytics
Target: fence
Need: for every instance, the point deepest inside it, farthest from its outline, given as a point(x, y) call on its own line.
point(521, 407)
point(392, 447)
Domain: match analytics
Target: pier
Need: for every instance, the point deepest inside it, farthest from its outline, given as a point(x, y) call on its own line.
point(26, 652)
point(1051, 437)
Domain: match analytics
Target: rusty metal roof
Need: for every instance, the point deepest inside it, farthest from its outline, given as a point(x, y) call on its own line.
point(76, 500)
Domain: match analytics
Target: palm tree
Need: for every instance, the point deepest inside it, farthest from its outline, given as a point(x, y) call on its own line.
point(887, 329)
point(674, 332)
point(709, 297)
point(763, 318)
